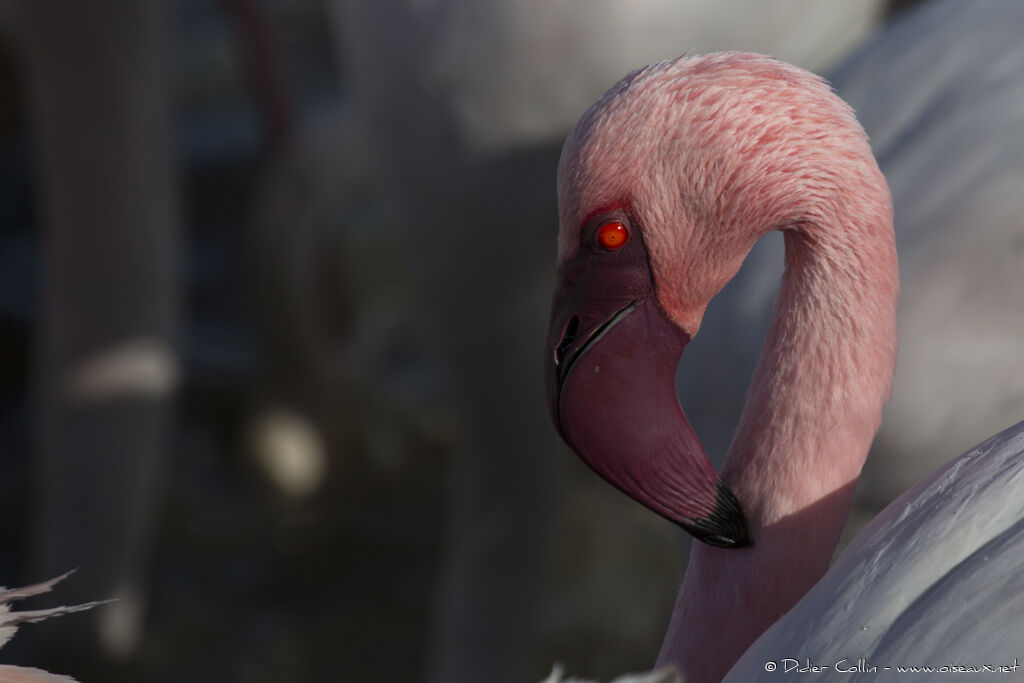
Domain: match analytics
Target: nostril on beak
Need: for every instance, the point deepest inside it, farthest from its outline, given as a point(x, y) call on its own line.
point(568, 336)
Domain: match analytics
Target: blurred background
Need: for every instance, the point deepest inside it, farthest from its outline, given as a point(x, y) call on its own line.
point(275, 280)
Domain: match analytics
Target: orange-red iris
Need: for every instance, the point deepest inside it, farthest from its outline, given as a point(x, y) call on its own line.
point(612, 235)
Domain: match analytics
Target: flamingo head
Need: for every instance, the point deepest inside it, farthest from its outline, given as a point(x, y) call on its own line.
point(612, 356)
point(664, 186)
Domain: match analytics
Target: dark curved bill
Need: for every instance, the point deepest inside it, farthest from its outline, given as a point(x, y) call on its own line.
point(612, 395)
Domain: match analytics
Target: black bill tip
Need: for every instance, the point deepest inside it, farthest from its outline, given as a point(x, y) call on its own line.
point(725, 527)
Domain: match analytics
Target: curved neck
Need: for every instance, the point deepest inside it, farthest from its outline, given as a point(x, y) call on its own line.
point(812, 410)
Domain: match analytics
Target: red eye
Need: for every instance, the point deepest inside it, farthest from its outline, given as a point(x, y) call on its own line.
point(612, 235)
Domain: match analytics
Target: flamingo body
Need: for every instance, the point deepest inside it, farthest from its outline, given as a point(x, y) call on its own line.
point(934, 580)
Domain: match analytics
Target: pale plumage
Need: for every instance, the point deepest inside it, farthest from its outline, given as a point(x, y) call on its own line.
point(934, 580)
point(665, 675)
point(9, 622)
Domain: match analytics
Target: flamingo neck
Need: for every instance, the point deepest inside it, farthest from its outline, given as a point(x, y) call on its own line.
point(813, 408)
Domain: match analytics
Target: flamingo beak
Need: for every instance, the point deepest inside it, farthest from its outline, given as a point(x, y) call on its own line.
point(611, 359)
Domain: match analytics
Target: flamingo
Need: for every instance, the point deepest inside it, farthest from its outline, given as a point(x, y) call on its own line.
point(664, 185)
point(467, 104)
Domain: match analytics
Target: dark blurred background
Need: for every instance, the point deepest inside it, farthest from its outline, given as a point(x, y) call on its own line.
point(275, 277)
